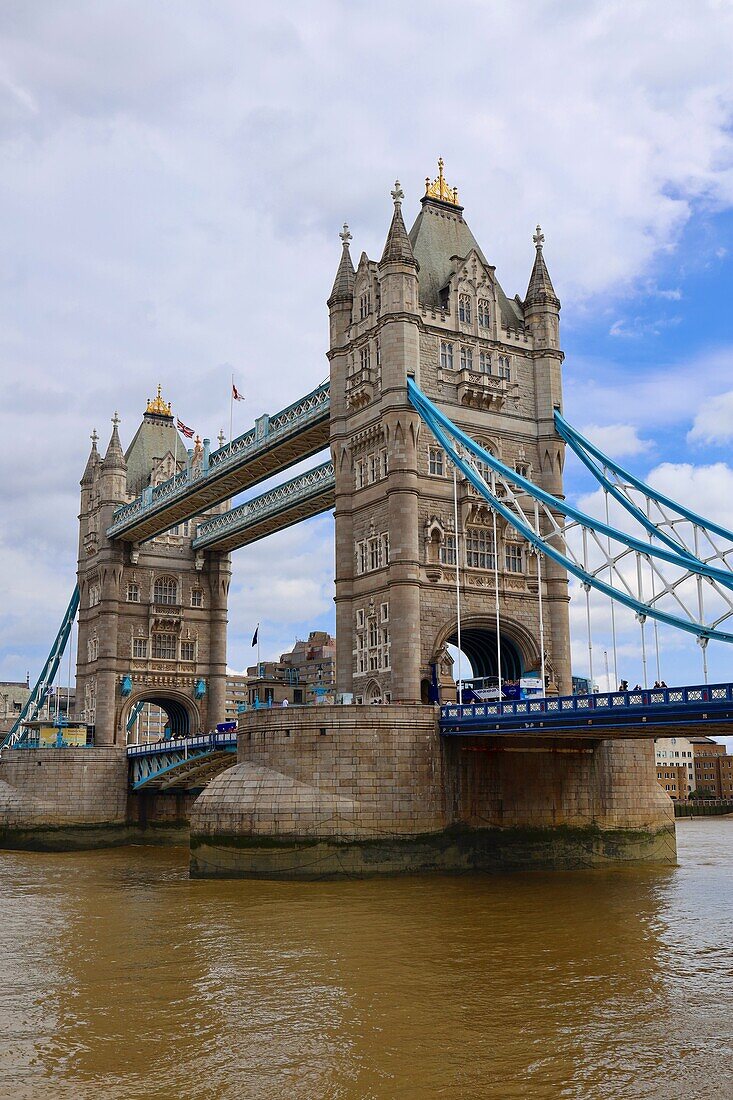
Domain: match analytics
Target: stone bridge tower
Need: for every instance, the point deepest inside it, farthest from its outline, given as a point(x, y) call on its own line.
point(152, 618)
point(432, 309)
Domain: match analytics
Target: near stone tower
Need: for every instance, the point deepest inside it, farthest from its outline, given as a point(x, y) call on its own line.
point(432, 309)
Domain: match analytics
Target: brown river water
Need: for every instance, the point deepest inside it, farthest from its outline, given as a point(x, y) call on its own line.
point(122, 978)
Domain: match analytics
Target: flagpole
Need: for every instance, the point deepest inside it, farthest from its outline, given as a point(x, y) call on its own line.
point(231, 411)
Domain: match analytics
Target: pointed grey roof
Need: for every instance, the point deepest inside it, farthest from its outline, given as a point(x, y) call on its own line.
point(153, 440)
point(540, 285)
point(397, 247)
point(93, 462)
point(343, 285)
point(114, 459)
point(439, 237)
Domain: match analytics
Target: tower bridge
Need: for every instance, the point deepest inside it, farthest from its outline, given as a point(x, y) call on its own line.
point(443, 416)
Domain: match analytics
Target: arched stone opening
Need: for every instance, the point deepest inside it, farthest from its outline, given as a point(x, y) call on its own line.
point(519, 649)
point(182, 714)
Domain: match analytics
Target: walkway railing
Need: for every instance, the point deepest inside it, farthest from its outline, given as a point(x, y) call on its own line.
point(268, 430)
point(638, 705)
point(310, 485)
point(212, 741)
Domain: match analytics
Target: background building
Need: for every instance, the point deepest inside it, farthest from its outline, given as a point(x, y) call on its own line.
point(674, 760)
point(304, 675)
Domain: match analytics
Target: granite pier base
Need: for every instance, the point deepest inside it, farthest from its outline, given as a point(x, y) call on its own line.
point(334, 792)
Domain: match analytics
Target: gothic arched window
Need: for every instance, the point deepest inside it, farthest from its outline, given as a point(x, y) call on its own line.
point(165, 590)
point(464, 308)
point(483, 313)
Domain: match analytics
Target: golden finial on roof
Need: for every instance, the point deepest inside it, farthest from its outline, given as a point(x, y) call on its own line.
point(158, 406)
point(439, 189)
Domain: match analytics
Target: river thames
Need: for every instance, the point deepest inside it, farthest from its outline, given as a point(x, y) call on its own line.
point(121, 978)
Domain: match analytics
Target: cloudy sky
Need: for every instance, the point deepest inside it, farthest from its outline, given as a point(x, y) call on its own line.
point(174, 177)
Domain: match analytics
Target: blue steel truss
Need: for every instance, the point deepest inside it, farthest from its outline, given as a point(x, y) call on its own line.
point(311, 492)
point(268, 431)
point(45, 681)
point(180, 762)
point(706, 704)
point(503, 492)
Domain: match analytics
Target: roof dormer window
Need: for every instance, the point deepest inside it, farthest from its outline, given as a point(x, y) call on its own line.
point(464, 308)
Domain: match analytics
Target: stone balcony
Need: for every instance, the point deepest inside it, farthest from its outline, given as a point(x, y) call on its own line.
point(479, 390)
point(360, 387)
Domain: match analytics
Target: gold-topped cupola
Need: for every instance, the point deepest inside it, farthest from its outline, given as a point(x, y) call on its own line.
point(439, 189)
point(158, 407)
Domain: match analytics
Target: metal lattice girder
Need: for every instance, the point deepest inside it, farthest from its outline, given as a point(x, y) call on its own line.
point(552, 528)
point(184, 762)
point(668, 514)
point(275, 444)
point(304, 496)
point(45, 681)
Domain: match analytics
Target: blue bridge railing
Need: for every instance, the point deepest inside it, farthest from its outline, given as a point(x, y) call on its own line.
point(654, 706)
point(210, 741)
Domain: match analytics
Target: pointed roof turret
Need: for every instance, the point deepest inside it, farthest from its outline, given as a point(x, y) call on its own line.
point(93, 462)
point(343, 284)
point(540, 287)
point(397, 248)
point(115, 456)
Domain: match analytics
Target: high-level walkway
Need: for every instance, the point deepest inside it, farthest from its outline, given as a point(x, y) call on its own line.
point(304, 496)
point(274, 444)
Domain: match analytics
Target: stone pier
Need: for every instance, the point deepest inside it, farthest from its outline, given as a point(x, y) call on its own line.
point(329, 792)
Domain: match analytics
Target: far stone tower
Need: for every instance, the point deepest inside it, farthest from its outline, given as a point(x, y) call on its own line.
point(152, 617)
point(432, 309)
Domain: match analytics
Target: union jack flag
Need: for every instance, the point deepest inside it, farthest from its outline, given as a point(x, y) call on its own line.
point(188, 432)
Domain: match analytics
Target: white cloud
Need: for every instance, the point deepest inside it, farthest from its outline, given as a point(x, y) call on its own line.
point(714, 420)
point(616, 440)
point(173, 184)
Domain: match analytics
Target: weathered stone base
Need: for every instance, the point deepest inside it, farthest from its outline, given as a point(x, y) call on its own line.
point(63, 799)
point(332, 792)
point(453, 851)
point(81, 838)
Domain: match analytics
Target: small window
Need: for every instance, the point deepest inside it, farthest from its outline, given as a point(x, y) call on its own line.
point(385, 549)
point(373, 468)
point(188, 651)
point(484, 361)
point(448, 550)
point(522, 469)
point(446, 355)
point(95, 595)
point(436, 461)
point(384, 612)
point(364, 358)
point(464, 308)
point(165, 591)
point(384, 461)
point(466, 358)
point(374, 555)
point(133, 592)
point(483, 313)
point(479, 548)
point(365, 306)
point(360, 619)
point(140, 648)
point(164, 647)
point(514, 558)
point(359, 473)
point(93, 649)
point(197, 597)
point(504, 367)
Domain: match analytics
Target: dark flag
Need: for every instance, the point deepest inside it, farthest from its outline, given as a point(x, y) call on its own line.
point(254, 636)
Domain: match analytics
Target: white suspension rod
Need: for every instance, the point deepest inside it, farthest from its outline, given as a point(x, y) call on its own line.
point(458, 582)
point(496, 596)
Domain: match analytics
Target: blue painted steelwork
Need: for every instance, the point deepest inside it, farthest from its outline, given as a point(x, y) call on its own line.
point(583, 448)
point(444, 431)
point(317, 486)
point(436, 420)
point(705, 704)
point(269, 431)
point(173, 763)
point(45, 681)
point(134, 712)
